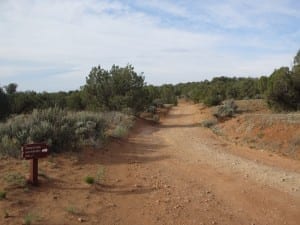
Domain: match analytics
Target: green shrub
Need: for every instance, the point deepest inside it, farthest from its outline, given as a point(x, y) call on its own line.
point(283, 93)
point(29, 219)
point(119, 123)
point(51, 125)
point(227, 109)
point(212, 99)
point(2, 195)
point(4, 104)
point(115, 89)
point(208, 123)
point(62, 130)
point(151, 109)
point(89, 180)
point(119, 132)
point(158, 102)
point(89, 127)
point(115, 118)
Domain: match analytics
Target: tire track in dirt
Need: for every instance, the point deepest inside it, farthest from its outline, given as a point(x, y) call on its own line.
point(195, 143)
point(243, 190)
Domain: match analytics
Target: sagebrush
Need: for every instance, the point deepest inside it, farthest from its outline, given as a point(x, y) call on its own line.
point(226, 110)
point(61, 129)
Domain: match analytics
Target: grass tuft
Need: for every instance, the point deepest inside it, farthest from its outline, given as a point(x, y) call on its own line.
point(2, 195)
point(5, 214)
point(29, 219)
point(72, 210)
point(100, 174)
point(208, 123)
point(15, 179)
point(89, 180)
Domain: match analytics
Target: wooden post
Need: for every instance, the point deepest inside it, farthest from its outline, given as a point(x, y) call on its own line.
point(33, 152)
point(33, 177)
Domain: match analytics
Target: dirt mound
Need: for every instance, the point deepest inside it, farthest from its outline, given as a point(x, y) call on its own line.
point(262, 129)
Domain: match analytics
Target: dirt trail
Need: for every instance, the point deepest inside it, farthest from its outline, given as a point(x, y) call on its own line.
point(173, 173)
point(193, 177)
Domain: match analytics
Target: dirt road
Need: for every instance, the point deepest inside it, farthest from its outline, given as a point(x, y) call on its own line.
point(173, 173)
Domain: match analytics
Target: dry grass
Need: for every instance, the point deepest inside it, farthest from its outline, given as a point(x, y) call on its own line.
point(253, 105)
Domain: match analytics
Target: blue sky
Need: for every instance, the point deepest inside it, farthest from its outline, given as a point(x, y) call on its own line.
point(51, 45)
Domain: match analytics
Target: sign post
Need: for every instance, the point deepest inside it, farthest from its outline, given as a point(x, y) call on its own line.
point(33, 152)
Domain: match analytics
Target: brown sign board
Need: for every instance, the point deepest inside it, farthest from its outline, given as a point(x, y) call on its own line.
point(35, 151)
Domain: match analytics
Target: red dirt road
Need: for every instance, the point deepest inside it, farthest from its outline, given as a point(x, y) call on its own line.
point(173, 173)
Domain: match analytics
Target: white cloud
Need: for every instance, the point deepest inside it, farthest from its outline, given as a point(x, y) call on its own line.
point(168, 7)
point(62, 40)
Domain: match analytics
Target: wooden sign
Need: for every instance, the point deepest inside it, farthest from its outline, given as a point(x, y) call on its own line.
point(34, 152)
point(38, 150)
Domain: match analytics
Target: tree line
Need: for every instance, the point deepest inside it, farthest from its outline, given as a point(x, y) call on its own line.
point(117, 89)
point(122, 89)
point(281, 89)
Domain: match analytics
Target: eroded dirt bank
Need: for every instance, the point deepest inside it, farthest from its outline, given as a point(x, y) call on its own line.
point(173, 173)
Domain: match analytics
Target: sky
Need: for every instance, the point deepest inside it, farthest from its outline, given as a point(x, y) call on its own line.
point(51, 45)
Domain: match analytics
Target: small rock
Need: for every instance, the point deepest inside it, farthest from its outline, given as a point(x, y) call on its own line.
point(6, 215)
point(112, 205)
point(213, 222)
point(283, 179)
point(81, 220)
point(187, 201)
point(167, 200)
point(177, 206)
